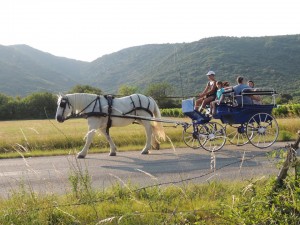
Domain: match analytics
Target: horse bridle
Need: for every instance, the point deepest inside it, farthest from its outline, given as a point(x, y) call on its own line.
point(64, 102)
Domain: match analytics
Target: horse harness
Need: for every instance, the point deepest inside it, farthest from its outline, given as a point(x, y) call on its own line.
point(109, 98)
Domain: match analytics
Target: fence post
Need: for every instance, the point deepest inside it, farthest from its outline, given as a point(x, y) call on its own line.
point(297, 162)
point(290, 159)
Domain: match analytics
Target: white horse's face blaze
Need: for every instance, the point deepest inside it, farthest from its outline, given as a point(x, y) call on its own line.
point(63, 109)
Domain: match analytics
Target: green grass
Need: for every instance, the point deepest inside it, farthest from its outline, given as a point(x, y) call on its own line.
point(156, 205)
point(248, 202)
point(47, 137)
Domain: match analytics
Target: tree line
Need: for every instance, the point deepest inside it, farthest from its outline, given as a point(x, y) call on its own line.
point(43, 105)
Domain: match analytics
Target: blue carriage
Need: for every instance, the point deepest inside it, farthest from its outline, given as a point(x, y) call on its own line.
point(243, 123)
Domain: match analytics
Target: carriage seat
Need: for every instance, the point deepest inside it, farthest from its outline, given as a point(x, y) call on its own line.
point(258, 91)
point(229, 99)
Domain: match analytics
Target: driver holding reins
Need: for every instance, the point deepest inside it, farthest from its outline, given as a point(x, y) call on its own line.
point(209, 93)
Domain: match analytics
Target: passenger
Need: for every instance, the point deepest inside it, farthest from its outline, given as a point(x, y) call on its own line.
point(219, 98)
point(226, 84)
point(209, 93)
point(250, 83)
point(255, 98)
point(238, 91)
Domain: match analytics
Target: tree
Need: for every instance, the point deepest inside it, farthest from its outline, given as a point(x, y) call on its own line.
point(39, 106)
point(284, 99)
point(160, 92)
point(6, 109)
point(127, 90)
point(85, 89)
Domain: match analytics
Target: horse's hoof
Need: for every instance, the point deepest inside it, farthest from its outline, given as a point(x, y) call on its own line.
point(145, 153)
point(112, 154)
point(156, 147)
point(80, 157)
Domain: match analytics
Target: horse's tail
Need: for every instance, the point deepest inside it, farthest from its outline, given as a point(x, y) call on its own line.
point(157, 126)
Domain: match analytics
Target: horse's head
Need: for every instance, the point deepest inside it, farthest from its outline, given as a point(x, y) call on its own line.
point(64, 108)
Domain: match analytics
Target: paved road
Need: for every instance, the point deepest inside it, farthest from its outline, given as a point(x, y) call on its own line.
point(50, 174)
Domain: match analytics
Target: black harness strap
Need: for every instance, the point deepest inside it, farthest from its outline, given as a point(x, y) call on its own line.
point(98, 100)
point(140, 100)
point(148, 103)
point(132, 102)
point(109, 99)
point(140, 107)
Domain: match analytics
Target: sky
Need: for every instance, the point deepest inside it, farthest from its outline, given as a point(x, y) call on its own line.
point(88, 29)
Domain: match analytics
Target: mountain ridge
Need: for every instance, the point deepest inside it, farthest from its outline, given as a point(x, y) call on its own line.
point(271, 61)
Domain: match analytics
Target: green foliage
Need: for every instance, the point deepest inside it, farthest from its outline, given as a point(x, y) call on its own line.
point(295, 109)
point(175, 112)
point(260, 203)
point(160, 92)
point(40, 105)
point(284, 99)
point(287, 110)
point(257, 202)
point(85, 89)
point(125, 90)
point(285, 136)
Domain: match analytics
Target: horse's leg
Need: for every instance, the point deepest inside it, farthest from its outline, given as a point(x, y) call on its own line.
point(113, 148)
point(148, 129)
point(154, 142)
point(93, 124)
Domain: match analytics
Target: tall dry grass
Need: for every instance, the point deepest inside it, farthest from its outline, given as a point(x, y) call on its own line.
point(42, 137)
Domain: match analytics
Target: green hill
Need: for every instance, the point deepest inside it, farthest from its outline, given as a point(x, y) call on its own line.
point(269, 61)
point(25, 70)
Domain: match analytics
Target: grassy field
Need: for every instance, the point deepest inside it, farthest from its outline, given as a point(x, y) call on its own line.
point(47, 137)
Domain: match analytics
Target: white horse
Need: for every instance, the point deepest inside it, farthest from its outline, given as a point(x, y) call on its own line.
point(102, 112)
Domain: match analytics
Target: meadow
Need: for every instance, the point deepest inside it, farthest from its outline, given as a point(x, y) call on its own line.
point(48, 137)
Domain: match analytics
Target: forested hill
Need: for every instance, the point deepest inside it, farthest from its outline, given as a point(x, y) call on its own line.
point(269, 61)
point(24, 70)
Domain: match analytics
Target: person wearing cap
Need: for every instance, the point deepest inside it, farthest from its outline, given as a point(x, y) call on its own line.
point(209, 93)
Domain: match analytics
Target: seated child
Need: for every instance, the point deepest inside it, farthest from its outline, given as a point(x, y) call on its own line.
point(219, 97)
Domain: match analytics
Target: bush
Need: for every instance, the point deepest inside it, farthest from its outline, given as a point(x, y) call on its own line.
point(285, 136)
point(281, 111)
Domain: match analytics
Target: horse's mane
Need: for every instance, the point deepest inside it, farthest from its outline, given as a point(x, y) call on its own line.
point(80, 100)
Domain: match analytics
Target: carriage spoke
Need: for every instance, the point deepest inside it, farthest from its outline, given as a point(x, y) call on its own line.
point(264, 130)
point(215, 136)
point(191, 136)
point(237, 135)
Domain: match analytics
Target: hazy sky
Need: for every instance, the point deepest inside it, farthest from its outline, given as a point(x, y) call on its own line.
point(88, 29)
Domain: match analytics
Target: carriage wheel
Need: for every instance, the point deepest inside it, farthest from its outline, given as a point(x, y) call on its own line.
point(236, 134)
point(190, 135)
point(262, 130)
point(213, 136)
